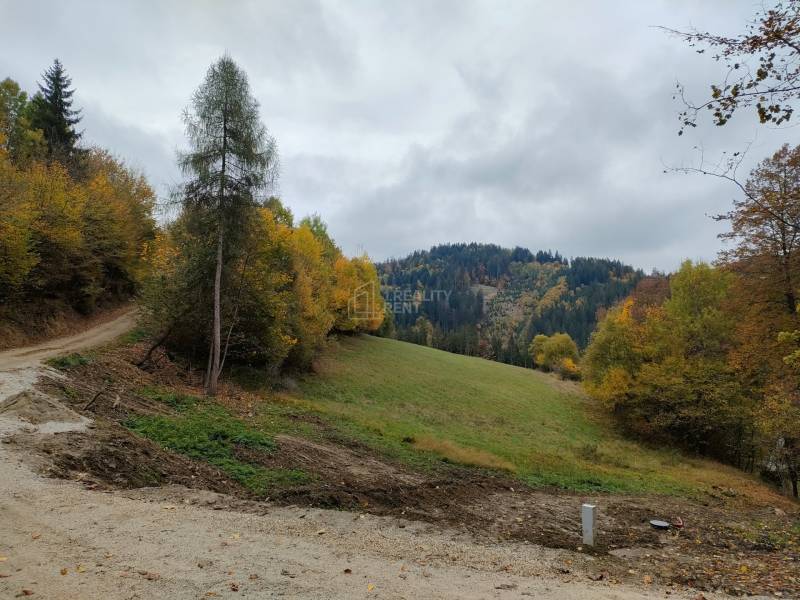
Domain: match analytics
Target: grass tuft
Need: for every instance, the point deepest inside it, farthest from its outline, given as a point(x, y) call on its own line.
point(463, 455)
point(134, 336)
point(70, 361)
point(180, 402)
point(589, 452)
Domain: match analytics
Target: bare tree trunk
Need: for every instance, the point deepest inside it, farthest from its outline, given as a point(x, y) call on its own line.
point(792, 471)
point(790, 451)
point(235, 311)
point(791, 301)
point(216, 341)
point(207, 376)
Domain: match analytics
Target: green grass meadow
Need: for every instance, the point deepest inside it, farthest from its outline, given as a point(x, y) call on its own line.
point(426, 406)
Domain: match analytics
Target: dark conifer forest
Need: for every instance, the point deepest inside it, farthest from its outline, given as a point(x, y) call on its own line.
point(486, 300)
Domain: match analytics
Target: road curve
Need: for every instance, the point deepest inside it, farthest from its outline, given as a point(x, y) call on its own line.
point(30, 356)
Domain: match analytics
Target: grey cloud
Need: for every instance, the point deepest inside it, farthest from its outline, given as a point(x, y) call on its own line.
point(406, 124)
point(148, 152)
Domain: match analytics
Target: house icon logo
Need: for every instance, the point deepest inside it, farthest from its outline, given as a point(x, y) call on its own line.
point(363, 305)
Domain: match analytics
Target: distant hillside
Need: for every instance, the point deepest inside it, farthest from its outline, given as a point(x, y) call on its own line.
point(485, 300)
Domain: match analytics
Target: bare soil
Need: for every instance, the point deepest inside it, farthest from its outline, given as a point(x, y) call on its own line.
point(163, 525)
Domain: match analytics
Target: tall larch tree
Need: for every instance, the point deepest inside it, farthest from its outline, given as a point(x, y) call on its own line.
point(232, 159)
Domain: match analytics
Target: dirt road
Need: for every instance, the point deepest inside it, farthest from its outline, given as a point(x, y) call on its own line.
point(19, 367)
point(61, 541)
point(30, 356)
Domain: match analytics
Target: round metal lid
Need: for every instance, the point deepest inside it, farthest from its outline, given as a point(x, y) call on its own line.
point(659, 524)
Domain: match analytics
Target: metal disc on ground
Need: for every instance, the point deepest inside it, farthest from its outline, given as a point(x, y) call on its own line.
point(659, 524)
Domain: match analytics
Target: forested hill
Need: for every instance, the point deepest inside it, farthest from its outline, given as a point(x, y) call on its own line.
point(485, 300)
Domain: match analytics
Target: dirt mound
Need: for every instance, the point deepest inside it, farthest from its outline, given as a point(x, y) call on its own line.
point(111, 457)
point(37, 408)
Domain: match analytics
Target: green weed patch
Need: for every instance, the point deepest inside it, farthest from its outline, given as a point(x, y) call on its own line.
point(207, 432)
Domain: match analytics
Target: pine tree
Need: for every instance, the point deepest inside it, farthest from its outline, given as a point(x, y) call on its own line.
point(52, 112)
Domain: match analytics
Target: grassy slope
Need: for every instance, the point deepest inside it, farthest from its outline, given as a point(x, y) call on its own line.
point(480, 412)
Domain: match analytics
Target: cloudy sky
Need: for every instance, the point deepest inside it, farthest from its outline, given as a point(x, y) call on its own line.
point(410, 123)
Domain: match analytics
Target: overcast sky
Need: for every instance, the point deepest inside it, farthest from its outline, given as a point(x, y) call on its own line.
point(412, 123)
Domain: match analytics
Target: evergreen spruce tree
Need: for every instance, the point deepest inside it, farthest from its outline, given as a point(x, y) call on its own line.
point(52, 112)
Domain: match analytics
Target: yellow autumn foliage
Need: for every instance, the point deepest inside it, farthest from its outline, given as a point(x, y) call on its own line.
point(77, 242)
point(287, 289)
